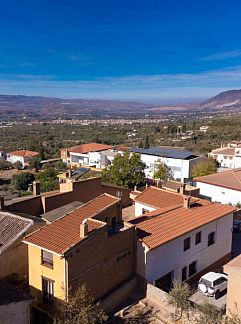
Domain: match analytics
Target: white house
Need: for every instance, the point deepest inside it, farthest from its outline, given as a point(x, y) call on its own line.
point(228, 156)
point(179, 160)
point(224, 187)
point(92, 154)
point(22, 156)
point(183, 241)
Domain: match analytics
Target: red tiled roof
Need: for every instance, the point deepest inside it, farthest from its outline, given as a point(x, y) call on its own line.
point(24, 153)
point(224, 150)
point(90, 147)
point(158, 227)
point(63, 233)
point(230, 179)
point(159, 198)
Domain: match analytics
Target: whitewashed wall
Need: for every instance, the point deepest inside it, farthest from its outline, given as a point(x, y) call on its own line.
point(219, 194)
point(139, 207)
point(171, 256)
point(181, 169)
point(15, 158)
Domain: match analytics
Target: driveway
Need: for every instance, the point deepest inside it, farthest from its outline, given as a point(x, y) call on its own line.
point(198, 298)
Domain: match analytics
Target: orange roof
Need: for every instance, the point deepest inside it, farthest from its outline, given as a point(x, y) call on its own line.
point(157, 227)
point(24, 153)
point(64, 233)
point(90, 147)
point(230, 179)
point(159, 198)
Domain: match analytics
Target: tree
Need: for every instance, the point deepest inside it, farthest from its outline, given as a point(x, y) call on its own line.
point(146, 142)
point(178, 297)
point(162, 171)
point(127, 171)
point(204, 168)
point(23, 180)
point(18, 165)
point(48, 179)
point(5, 165)
point(80, 309)
point(184, 128)
point(60, 166)
point(34, 163)
point(208, 314)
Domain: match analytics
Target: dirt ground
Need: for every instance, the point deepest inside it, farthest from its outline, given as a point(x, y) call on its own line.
point(8, 174)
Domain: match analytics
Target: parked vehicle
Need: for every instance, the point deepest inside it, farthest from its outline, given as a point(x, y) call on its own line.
point(237, 226)
point(213, 284)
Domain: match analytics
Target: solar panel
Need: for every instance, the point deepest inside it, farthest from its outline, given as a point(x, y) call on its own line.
point(165, 152)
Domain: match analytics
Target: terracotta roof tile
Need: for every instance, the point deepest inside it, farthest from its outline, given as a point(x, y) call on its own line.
point(159, 198)
point(157, 228)
point(63, 233)
point(24, 153)
point(90, 147)
point(224, 150)
point(230, 179)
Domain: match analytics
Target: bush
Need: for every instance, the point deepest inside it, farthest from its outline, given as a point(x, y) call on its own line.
point(22, 181)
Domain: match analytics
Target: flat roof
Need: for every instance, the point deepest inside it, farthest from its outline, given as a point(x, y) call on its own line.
point(164, 151)
point(61, 211)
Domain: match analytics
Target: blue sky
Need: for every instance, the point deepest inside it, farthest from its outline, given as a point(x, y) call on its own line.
point(145, 50)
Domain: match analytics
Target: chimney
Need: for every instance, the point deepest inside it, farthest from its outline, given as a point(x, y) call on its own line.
point(2, 203)
point(69, 173)
point(182, 188)
point(36, 188)
point(186, 201)
point(84, 228)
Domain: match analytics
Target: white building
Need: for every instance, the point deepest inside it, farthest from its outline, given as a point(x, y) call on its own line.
point(228, 156)
point(22, 156)
point(92, 154)
point(224, 187)
point(183, 241)
point(180, 161)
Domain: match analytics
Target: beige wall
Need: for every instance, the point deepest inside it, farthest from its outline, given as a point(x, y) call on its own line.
point(234, 290)
point(37, 271)
point(15, 258)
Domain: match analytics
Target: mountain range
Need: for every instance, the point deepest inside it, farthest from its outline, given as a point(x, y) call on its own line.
point(39, 107)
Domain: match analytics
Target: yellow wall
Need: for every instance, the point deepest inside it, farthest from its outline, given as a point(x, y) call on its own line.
point(37, 271)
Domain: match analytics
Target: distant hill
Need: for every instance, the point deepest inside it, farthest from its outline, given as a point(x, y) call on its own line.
point(18, 104)
point(224, 100)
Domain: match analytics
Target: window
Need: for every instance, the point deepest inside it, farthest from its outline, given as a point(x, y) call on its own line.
point(192, 268)
point(211, 238)
point(198, 237)
point(47, 259)
point(186, 245)
point(48, 290)
point(118, 194)
point(144, 211)
point(184, 273)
